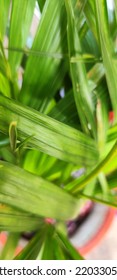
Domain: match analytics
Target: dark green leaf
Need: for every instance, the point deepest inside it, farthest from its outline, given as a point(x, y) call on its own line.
point(41, 4)
point(71, 250)
point(31, 251)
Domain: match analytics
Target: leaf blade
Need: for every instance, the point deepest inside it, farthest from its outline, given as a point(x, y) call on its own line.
point(46, 68)
point(16, 190)
point(107, 49)
point(78, 74)
point(21, 17)
point(48, 135)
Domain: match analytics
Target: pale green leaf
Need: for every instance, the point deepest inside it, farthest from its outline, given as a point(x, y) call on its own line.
point(13, 220)
point(4, 85)
point(21, 17)
point(4, 9)
point(35, 195)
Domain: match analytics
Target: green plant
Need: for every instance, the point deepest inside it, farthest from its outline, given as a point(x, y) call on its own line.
point(45, 138)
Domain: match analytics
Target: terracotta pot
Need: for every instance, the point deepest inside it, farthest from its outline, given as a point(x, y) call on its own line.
point(94, 228)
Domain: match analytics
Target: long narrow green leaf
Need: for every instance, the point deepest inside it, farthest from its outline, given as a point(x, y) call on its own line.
point(79, 184)
point(96, 73)
point(4, 65)
point(71, 250)
point(107, 48)
point(115, 3)
point(111, 181)
point(41, 4)
point(58, 251)
point(4, 85)
point(21, 17)
point(89, 12)
point(112, 133)
point(46, 166)
point(81, 88)
point(31, 251)
point(10, 246)
point(47, 135)
point(46, 73)
point(39, 162)
point(65, 111)
point(48, 247)
point(13, 220)
point(4, 9)
point(4, 141)
point(102, 98)
point(57, 246)
point(35, 195)
point(7, 155)
point(79, 7)
point(5, 73)
point(102, 124)
point(109, 198)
